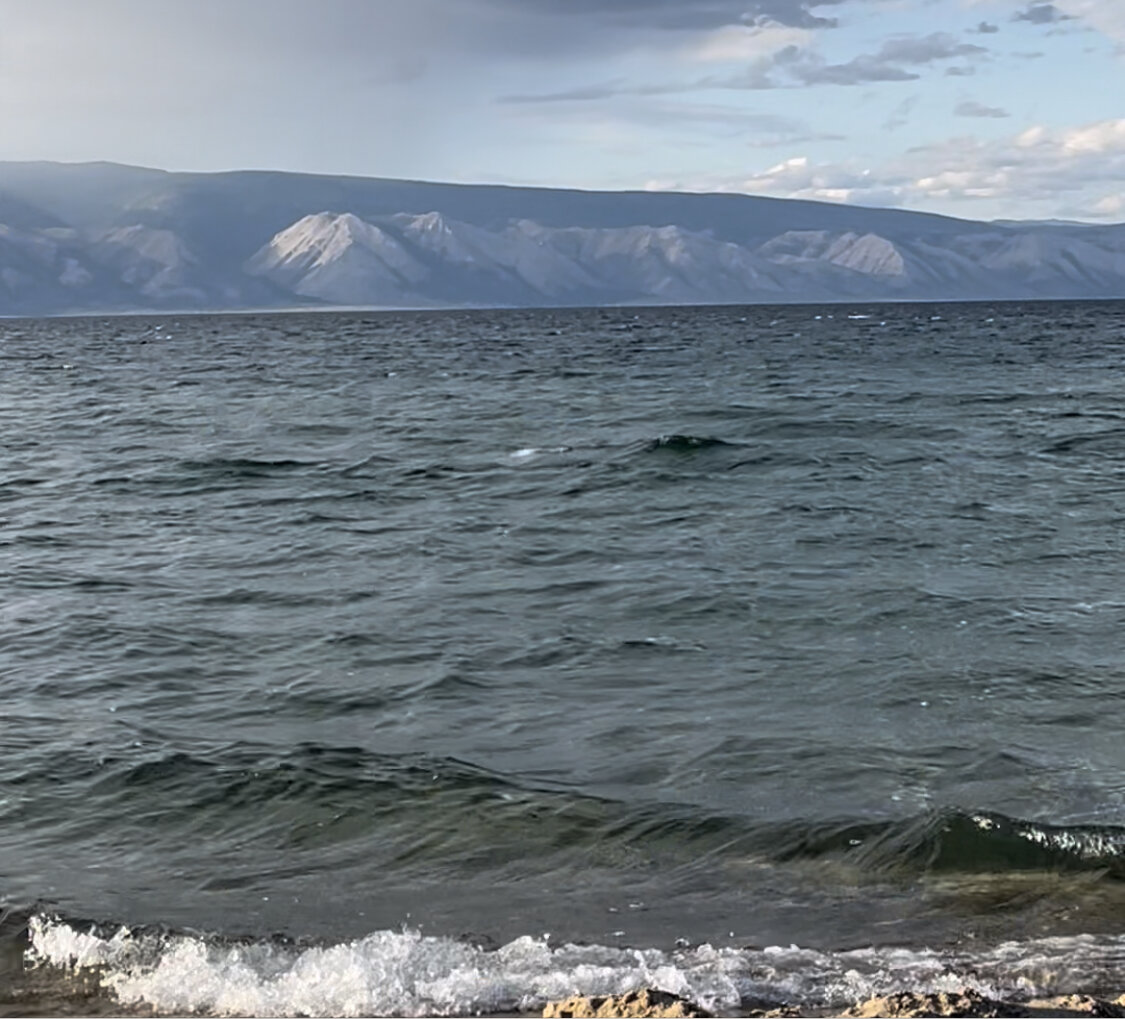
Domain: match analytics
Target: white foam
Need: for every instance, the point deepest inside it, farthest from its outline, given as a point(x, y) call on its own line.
point(533, 451)
point(406, 974)
point(384, 973)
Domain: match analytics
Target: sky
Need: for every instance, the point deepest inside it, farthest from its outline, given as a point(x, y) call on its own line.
point(982, 109)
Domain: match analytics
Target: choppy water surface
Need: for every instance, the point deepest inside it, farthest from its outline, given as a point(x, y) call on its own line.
point(745, 627)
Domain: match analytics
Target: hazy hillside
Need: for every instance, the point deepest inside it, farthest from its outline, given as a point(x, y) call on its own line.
point(78, 237)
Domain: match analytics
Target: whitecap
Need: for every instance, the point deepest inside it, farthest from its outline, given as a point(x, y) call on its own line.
point(529, 452)
point(406, 973)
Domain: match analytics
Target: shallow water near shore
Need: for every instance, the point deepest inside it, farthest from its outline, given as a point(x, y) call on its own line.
point(441, 641)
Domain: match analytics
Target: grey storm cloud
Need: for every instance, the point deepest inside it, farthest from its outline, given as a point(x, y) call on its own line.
point(681, 15)
point(1041, 14)
point(340, 33)
point(969, 108)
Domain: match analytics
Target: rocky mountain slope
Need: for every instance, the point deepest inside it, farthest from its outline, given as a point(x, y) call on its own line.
point(101, 237)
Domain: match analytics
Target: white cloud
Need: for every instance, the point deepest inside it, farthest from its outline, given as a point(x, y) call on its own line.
point(971, 108)
point(1031, 137)
point(1037, 165)
point(1105, 137)
point(963, 184)
point(1111, 206)
point(741, 43)
point(1082, 166)
point(799, 178)
point(1107, 16)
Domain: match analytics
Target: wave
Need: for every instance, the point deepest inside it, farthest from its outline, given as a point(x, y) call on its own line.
point(417, 812)
point(676, 443)
point(408, 974)
point(1108, 441)
point(241, 466)
point(965, 842)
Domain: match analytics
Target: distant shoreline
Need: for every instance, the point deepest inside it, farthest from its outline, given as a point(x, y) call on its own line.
point(547, 308)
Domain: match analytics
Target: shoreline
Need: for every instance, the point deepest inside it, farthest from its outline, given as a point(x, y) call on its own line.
point(56, 968)
point(650, 1004)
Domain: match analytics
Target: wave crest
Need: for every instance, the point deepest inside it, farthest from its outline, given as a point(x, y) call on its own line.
point(407, 974)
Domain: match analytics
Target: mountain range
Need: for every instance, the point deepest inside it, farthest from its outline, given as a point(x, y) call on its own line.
point(99, 237)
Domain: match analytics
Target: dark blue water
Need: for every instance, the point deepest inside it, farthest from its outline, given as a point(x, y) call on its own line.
point(740, 626)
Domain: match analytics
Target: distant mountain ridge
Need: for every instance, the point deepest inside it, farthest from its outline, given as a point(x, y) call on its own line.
point(103, 237)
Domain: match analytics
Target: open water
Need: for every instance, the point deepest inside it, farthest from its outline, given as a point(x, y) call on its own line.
point(761, 654)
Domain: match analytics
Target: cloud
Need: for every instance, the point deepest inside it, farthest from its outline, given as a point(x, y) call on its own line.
point(1037, 165)
point(740, 43)
point(925, 49)
point(582, 94)
point(640, 119)
point(1041, 14)
point(681, 15)
point(1082, 165)
point(788, 67)
point(889, 63)
point(1111, 206)
point(969, 108)
point(799, 178)
point(807, 67)
point(900, 115)
point(764, 129)
point(1105, 16)
point(1106, 137)
point(778, 141)
point(984, 28)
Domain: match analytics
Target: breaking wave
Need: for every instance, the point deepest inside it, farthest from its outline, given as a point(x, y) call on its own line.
point(407, 974)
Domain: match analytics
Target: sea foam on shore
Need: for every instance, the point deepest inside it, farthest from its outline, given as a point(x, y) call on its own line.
point(393, 973)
